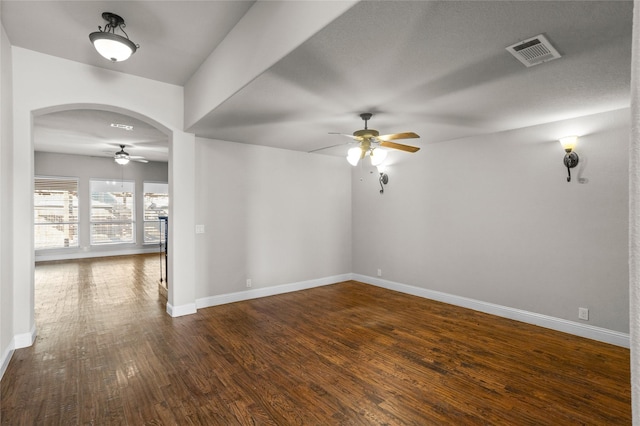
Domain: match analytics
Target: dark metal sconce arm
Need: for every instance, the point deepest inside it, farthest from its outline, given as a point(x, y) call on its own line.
point(570, 161)
point(384, 179)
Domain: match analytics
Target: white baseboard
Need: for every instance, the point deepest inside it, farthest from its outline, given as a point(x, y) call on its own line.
point(222, 299)
point(24, 340)
point(19, 341)
point(6, 357)
point(181, 310)
point(588, 331)
point(45, 257)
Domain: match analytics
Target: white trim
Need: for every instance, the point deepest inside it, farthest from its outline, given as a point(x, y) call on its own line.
point(6, 358)
point(559, 324)
point(24, 340)
point(96, 253)
point(222, 299)
point(178, 311)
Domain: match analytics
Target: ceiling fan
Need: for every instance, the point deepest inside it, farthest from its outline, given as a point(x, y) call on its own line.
point(122, 157)
point(370, 141)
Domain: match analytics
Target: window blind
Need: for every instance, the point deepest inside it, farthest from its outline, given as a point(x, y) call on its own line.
point(156, 204)
point(112, 212)
point(55, 211)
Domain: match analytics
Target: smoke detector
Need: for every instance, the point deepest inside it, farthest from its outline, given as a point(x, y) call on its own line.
point(534, 51)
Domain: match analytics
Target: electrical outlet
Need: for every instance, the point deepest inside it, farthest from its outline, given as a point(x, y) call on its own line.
point(248, 282)
point(379, 272)
point(199, 229)
point(583, 314)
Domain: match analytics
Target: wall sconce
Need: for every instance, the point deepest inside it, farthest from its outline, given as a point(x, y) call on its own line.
point(384, 178)
point(571, 158)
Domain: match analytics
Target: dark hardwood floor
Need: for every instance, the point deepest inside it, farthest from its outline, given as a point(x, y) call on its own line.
point(348, 354)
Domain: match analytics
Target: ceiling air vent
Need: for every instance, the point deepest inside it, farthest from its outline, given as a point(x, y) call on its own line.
point(534, 51)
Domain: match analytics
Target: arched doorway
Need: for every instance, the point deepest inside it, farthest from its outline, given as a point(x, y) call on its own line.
point(181, 295)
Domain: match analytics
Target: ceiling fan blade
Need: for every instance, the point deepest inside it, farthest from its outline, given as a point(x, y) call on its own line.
point(405, 135)
point(343, 134)
point(355, 138)
point(399, 146)
point(327, 147)
point(139, 160)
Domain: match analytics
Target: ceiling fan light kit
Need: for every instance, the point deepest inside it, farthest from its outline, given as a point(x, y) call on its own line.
point(353, 155)
point(110, 45)
point(378, 155)
point(121, 157)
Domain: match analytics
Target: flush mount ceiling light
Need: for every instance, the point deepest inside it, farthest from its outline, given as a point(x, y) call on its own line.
point(110, 45)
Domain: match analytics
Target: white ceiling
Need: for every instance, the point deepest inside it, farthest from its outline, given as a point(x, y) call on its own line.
point(438, 68)
point(175, 37)
point(89, 132)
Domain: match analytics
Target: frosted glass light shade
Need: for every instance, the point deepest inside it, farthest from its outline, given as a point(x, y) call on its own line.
point(353, 155)
point(122, 160)
point(121, 156)
point(112, 46)
point(569, 143)
point(353, 160)
point(377, 156)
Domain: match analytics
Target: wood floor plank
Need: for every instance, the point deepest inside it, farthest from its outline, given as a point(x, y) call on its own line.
point(344, 354)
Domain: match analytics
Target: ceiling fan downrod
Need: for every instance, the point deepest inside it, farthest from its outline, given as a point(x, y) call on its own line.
point(366, 116)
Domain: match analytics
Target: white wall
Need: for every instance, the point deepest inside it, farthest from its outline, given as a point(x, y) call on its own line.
point(181, 270)
point(86, 168)
point(6, 226)
point(275, 216)
point(492, 218)
point(634, 218)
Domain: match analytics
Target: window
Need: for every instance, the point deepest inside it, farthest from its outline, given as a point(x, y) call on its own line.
point(55, 212)
point(112, 212)
point(156, 204)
